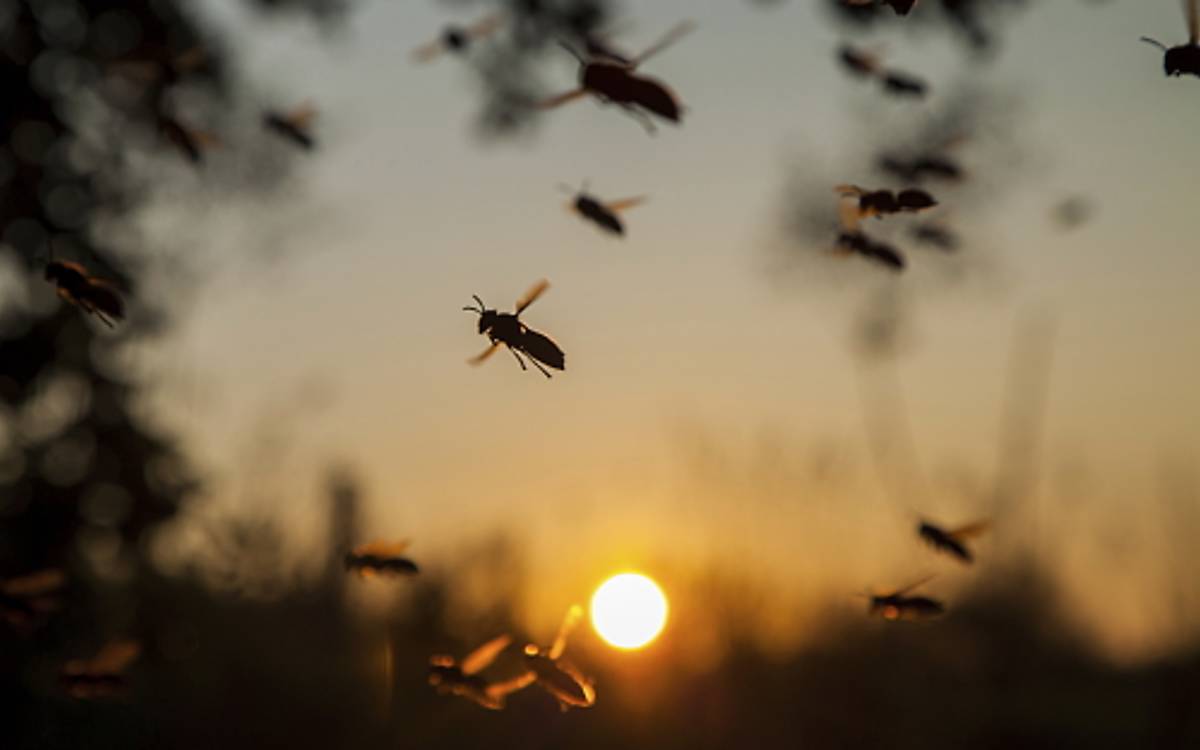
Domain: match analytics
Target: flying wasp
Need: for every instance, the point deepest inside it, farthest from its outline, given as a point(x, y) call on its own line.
point(462, 678)
point(103, 675)
point(897, 605)
point(93, 295)
point(616, 80)
point(604, 215)
point(190, 142)
point(26, 599)
point(555, 674)
point(879, 203)
point(458, 39)
point(868, 65)
point(851, 239)
point(381, 558)
point(507, 329)
point(954, 540)
point(1184, 58)
point(295, 126)
point(901, 7)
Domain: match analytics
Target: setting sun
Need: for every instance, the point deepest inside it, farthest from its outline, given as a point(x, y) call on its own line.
point(629, 610)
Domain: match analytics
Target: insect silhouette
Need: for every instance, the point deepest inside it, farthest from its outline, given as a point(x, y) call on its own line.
point(25, 599)
point(879, 203)
point(458, 39)
point(921, 168)
point(952, 542)
point(1184, 58)
point(615, 80)
point(897, 605)
point(865, 64)
point(507, 329)
point(103, 675)
point(462, 678)
point(1072, 213)
point(381, 558)
point(604, 215)
point(935, 235)
point(93, 295)
point(851, 239)
point(900, 7)
point(295, 126)
point(190, 142)
point(557, 675)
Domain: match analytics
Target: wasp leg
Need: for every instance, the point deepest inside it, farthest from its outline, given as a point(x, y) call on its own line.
point(641, 117)
point(520, 361)
point(539, 366)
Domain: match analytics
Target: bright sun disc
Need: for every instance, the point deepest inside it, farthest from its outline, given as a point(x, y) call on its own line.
point(629, 610)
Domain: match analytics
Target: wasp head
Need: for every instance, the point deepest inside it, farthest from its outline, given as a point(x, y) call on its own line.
point(487, 318)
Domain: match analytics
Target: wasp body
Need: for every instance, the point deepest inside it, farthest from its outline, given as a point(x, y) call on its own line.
point(507, 329)
point(898, 605)
point(93, 295)
point(463, 679)
point(952, 541)
point(381, 558)
point(555, 674)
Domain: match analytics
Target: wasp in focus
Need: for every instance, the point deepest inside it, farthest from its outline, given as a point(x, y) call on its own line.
point(1184, 58)
point(458, 39)
point(604, 215)
point(897, 605)
point(952, 541)
point(462, 678)
point(295, 126)
point(103, 675)
point(25, 599)
point(381, 558)
point(611, 78)
point(556, 675)
point(507, 329)
point(93, 295)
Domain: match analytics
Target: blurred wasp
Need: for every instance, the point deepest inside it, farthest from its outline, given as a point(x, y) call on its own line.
point(457, 39)
point(901, 7)
point(162, 74)
point(898, 606)
point(935, 235)
point(1073, 212)
point(603, 215)
point(380, 558)
point(952, 541)
point(190, 142)
point(867, 65)
point(507, 329)
point(26, 599)
point(920, 168)
point(93, 295)
point(295, 126)
point(103, 675)
point(879, 203)
point(555, 674)
point(851, 239)
point(462, 678)
point(1184, 58)
point(610, 78)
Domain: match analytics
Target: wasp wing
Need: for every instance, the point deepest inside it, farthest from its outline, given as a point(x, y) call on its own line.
point(34, 584)
point(970, 530)
point(849, 213)
point(531, 296)
point(568, 624)
point(301, 116)
point(480, 358)
point(428, 52)
point(485, 27)
point(381, 549)
point(556, 101)
point(498, 690)
point(625, 203)
point(105, 297)
point(480, 658)
point(674, 35)
point(113, 658)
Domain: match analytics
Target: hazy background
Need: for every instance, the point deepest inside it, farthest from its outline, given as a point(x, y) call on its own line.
point(696, 371)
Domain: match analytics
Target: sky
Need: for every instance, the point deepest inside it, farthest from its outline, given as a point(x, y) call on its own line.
point(712, 404)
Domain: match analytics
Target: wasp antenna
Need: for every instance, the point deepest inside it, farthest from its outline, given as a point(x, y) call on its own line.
point(476, 298)
point(573, 51)
point(1155, 42)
